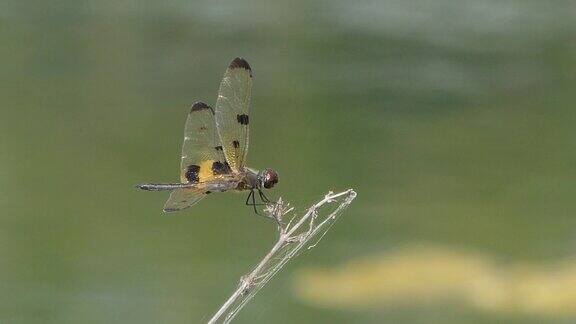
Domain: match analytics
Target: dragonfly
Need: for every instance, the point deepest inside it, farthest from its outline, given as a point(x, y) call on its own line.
point(215, 148)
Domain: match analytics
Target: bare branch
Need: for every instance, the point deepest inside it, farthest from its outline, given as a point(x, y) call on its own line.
point(293, 236)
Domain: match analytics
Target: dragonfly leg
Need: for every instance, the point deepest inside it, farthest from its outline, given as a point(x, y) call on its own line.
point(248, 198)
point(253, 204)
point(263, 196)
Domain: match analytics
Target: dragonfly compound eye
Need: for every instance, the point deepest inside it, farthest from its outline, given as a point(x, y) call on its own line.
point(270, 178)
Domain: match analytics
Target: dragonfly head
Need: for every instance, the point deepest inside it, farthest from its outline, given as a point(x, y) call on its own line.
point(268, 178)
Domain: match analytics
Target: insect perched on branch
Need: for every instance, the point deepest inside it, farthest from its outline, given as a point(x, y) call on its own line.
point(215, 147)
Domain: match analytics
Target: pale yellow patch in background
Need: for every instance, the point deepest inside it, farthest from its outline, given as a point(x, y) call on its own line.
point(419, 275)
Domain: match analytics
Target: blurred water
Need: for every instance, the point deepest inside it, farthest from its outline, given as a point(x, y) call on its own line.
point(452, 119)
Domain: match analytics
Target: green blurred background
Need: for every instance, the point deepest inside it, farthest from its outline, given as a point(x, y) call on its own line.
point(453, 120)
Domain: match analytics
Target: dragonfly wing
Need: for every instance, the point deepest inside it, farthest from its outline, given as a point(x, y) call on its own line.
point(232, 112)
point(183, 198)
point(201, 149)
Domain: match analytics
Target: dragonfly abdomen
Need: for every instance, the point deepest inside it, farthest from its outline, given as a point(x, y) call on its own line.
point(163, 186)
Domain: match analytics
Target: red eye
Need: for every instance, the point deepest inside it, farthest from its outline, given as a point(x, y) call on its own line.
point(270, 178)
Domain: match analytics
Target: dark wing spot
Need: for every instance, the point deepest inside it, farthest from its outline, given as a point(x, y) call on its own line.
point(236, 144)
point(220, 168)
point(199, 106)
point(192, 173)
point(242, 119)
point(202, 128)
point(240, 63)
point(218, 148)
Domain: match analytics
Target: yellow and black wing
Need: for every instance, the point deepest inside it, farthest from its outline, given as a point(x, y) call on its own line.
point(202, 160)
point(232, 112)
point(202, 154)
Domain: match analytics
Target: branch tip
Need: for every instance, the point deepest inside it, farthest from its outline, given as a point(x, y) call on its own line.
point(291, 239)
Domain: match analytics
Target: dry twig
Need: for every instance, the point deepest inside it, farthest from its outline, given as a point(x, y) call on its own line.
point(293, 236)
